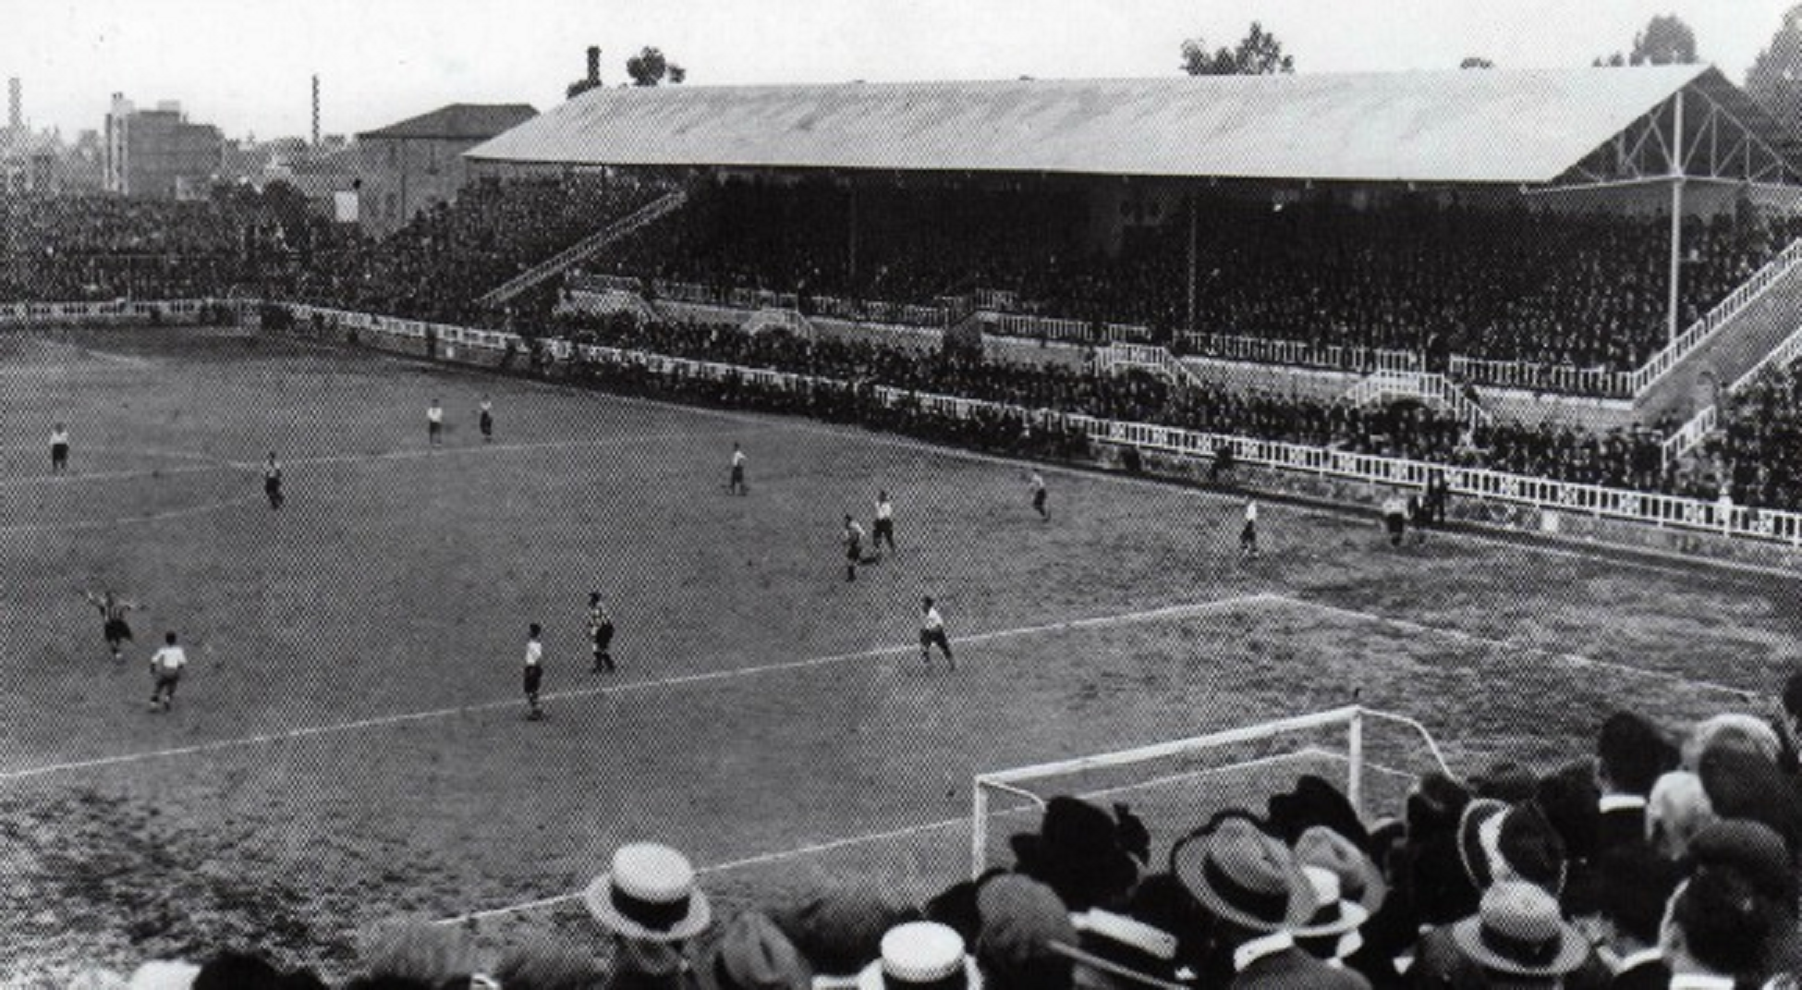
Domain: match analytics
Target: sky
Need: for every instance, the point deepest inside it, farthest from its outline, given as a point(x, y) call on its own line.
point(246, 65)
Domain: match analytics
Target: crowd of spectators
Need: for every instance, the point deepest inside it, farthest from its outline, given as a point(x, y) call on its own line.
point(1667, 856)
point(438, 265)
point(1502, 283)
point(77, 248)
point(1760, 444)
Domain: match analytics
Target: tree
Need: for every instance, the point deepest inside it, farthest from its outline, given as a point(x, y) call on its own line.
point(650, 67)
point(1666, 40)
point(1259, 54)
point(1775, 79)
point(1476, 62)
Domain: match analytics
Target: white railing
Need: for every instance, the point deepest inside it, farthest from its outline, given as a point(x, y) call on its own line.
point(602, 282)
point(1690, 435)
point(1703, 329)
point(1546, 494)
point(1273, 350)
point(1781, 356)
point(116, 311)
point(1150, 356)
point(1535, 377)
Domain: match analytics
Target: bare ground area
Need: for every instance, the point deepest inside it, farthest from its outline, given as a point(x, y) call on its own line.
point(349, 742)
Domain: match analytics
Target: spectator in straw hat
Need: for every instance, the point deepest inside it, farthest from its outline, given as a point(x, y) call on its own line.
point(649, 904)
point(1734, 730)
point(1111, 946)
point(752, 954)
point(1248, 880)
point(1021, 920)
point(1359, 894)
point(921, 954)
point(1516, 939)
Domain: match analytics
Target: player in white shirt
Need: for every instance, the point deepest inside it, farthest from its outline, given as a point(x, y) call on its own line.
point(534, 673)
point(1395, 517)
point(166, 665)
point(434, 422)
point(736, 484)
point(1038, 495)
point(853, 540)
point(1248, 537)
point(885, 522)
point(59, 449)
point(932, 632)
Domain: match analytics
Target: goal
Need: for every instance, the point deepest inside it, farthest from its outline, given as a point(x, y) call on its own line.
point(1174, 786)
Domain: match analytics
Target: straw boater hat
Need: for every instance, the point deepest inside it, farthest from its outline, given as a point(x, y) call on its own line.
point(1244, 875)
point(649, 895)
point(1355, 874)
point(921, 954)
point(1518, 930)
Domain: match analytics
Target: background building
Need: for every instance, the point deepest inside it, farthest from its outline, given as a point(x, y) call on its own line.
point(158, 154)
point(417, 163)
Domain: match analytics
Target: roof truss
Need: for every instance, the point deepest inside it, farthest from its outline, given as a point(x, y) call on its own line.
point(1693, 135)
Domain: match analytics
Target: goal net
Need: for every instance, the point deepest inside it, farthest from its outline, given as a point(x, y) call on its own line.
point(1373, 756)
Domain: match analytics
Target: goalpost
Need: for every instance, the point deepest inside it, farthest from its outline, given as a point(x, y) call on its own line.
point(1168, 773)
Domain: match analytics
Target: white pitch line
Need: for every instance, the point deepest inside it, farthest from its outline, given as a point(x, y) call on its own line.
point(382, 721)
point(192, 510)
point(888, 835)
point(1462, 636)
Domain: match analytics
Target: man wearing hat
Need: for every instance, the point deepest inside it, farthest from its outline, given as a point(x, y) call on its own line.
point(1113, 949)
point(1349, 890)
point(1078, 853)
point(752, 954)
point(1517, 939)
point(1258, 896)
point(650, 906)
point(1499, 842)
point(921, 954)
point(1021, 920)
point(1715, 929)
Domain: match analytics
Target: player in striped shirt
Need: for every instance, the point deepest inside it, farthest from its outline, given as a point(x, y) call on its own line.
point(534, 673)
point(112, 618)
point(853, 540)
point(932, 633)
point(600, 634)
point(272, 482)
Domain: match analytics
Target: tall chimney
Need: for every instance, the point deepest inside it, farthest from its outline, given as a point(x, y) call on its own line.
point(315, 109)
point(15, 92)
point(594, 65)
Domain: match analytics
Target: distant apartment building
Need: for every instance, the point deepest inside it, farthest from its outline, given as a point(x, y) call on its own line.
point(158, 154)
point(413, 165)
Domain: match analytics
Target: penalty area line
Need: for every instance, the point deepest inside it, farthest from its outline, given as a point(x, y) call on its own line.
point(1165, 613)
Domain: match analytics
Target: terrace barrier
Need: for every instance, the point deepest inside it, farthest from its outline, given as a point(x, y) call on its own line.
point(1651, 509)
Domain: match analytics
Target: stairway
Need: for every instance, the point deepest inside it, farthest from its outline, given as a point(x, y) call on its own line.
point(1433, 389)
point(586, 248)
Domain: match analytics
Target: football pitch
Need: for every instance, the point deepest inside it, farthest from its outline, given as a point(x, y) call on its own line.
point(349, 740)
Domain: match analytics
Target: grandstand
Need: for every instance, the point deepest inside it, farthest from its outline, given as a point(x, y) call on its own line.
point(1361, 283)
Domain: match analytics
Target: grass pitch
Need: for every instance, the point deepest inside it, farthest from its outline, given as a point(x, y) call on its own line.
point(349, 741)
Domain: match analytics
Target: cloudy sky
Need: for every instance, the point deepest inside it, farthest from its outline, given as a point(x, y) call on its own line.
point(245, 64)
